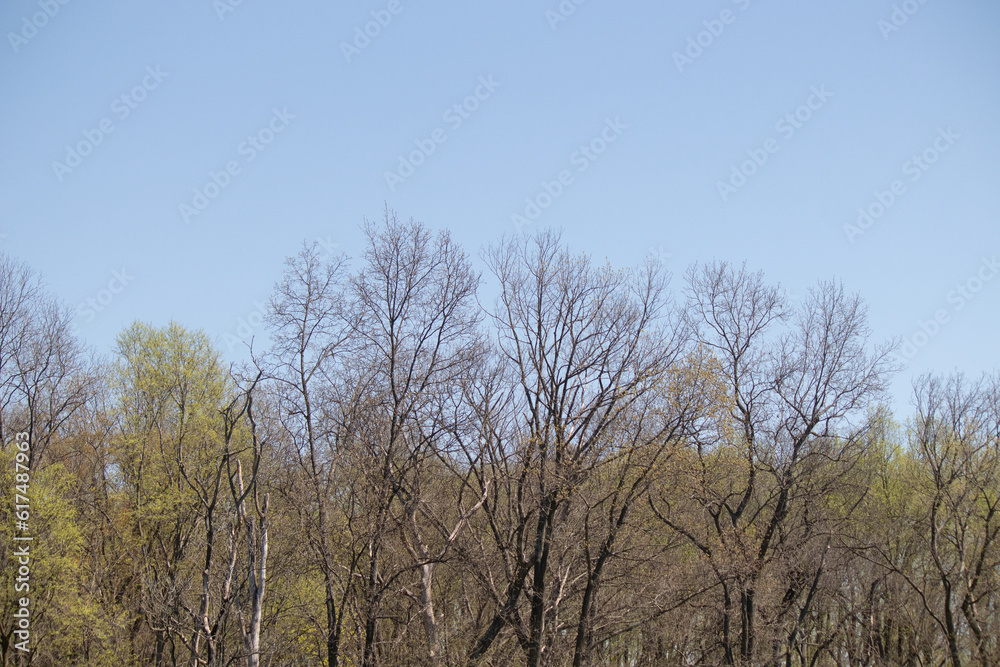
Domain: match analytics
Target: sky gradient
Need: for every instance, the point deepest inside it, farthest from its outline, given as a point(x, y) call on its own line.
point(160, 160)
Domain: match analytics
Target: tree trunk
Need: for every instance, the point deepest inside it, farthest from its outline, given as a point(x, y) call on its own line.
point(543, 541)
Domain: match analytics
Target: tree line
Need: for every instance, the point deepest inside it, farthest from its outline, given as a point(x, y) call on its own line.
point(595, 467)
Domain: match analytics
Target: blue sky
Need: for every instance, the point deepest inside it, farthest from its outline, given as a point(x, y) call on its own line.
point(737, 130)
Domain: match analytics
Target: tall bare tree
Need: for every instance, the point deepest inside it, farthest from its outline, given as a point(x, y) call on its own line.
point(789, 396)
point(43, 373)
point(310, 333)
point(414, 300)
point(583, 345)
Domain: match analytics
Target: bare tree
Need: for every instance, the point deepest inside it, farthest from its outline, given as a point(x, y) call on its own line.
point(366, 368)
point(414, 300)
point(43, 376)
point(955, 438)
point(20, 292)
point(255, 524)
point(788, 398)
point(582, 345)
point(310, 333)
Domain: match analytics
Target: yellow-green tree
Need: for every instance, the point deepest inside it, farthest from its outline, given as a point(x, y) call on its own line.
point(170, 387)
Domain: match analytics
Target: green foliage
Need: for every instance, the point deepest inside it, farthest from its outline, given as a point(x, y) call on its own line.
point(730, 500)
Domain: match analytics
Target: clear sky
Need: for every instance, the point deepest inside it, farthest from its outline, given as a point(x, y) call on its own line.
point(161, 159)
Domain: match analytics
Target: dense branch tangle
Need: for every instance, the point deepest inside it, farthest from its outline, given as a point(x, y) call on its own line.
point(580, 471)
